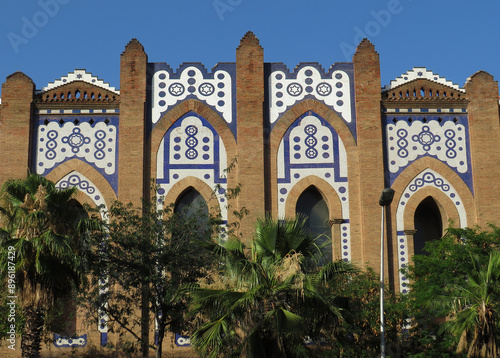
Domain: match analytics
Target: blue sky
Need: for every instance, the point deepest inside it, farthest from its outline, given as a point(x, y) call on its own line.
point(46, 39)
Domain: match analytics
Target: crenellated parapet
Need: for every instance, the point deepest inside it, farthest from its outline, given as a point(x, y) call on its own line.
point(77, 92)
point(420, 90)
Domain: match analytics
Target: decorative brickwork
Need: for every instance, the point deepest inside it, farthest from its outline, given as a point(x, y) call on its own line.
point(133, 166)
point(333, 132)
point(482, 91)
point(250, 132)
point(16, 126)
point(366, 224)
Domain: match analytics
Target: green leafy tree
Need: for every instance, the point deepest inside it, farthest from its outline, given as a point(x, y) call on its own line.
point(445, 266)
point(474, 305)
point(41, 228)
point(148, 253)
point(359, 334)
point(264, 300)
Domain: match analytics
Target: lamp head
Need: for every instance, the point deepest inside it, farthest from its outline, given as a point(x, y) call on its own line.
point(386, 197)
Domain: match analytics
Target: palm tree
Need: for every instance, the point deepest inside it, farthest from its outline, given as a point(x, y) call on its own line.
point(41, 225)
point(475, 304)
point(264, 301)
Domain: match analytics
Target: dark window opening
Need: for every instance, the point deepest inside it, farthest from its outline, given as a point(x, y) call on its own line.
point(64, 320)
point(428, 224)
point(191, 203)
point(193, 207)
point(312, 204)
point(65, 313)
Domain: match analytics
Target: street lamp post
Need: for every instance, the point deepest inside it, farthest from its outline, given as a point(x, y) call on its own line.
point(385, 200)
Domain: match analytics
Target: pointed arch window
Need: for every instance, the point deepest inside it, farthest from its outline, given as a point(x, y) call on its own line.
point(192, 203)
point(428, 224)
point(312, 204)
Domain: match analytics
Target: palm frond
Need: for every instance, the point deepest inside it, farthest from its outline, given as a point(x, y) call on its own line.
point(273, 298)
point(334, 270)
point(210, 337)
point(285, 321)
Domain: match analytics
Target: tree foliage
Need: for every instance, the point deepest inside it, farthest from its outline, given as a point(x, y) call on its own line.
point(454, 294)
point(262, 301)
point(359, 334)
point(148, 253)
point(474, 305)
point(43, 227)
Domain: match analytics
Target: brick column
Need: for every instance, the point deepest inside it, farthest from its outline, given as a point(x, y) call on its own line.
point(370, 151)
point(133, 173)
point(250, 130)
point(484, 135)
point(16, 127)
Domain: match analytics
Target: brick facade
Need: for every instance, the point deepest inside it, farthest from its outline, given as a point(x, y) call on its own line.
point(336, 130)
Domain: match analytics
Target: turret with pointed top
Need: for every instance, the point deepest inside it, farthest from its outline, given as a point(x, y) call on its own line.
point(371, 165)
point(484, 131)
point(15, 126)
point(134, 46)
point(132, 167)
point(250, 128)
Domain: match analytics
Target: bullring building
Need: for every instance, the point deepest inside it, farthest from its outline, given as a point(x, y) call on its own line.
point(324, 142)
